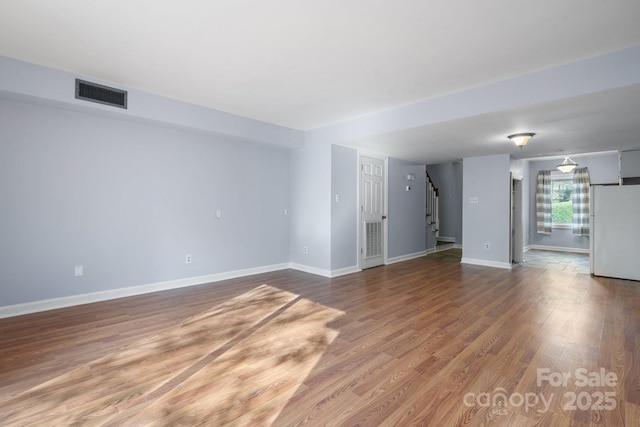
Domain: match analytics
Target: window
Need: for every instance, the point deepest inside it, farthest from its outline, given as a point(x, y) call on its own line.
point(561, 204)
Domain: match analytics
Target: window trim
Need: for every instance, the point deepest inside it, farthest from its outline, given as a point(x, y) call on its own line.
point(564, 226)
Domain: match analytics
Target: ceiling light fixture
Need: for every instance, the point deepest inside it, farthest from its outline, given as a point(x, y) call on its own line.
point(567, 165)
point(521, 139)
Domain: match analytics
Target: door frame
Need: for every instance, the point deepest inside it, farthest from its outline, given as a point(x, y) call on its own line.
point(385, 204)
point(516, 243)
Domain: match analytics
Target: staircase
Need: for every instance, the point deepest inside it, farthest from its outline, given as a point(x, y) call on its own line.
point(433, 219)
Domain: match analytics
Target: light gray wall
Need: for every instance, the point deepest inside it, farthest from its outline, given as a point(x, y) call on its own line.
point(488, 221)
point(447, 178)
point(311, 198)
point(344, 210)
point(310, 194)
point(54, 87)
point(630, 164)
point(603, 169)
point(406, 223)
point(128, 201)
point(309, 166)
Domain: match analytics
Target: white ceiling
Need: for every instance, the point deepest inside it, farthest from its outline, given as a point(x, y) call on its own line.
point(305, 64)
point(602, 121)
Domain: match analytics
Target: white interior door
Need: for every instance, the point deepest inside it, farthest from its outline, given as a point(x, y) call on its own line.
point(372, 214)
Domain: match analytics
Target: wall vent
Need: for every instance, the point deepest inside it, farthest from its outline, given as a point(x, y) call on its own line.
point(102, 94)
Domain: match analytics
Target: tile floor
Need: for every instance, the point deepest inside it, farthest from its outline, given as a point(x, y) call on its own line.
point(548, 260)
point(559, 261)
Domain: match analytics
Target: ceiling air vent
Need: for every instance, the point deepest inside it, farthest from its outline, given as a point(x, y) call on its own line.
point(102, 94)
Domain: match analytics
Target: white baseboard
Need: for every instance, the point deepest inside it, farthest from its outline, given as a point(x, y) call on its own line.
point(486, 263)
point(325, 273)
point(558, 249)
point(54, 303)
point(311, 270)
point(406, 257)
point(345, 271)
point(72, 300)
point(430, 251)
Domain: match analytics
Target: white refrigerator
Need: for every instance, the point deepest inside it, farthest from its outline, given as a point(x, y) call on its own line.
point(615, 231)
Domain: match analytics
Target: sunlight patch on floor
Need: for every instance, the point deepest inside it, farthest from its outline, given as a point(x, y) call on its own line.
point(238, 363)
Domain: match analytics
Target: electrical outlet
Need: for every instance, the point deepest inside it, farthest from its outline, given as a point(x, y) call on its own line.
point(486, 246)
point(305, 250)
point(187, 259)
point(78, 271)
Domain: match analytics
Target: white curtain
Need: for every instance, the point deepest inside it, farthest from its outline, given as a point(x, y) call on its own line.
point(543, 202)
point(580, 199)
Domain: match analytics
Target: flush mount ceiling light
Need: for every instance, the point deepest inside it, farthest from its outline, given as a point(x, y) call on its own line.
point(521, 139)
point(567, 165)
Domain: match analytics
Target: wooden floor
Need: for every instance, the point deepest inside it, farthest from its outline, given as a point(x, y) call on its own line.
point(424, 342)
